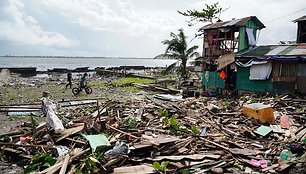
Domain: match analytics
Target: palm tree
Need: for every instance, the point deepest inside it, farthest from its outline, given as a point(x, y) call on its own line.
point(177, 49)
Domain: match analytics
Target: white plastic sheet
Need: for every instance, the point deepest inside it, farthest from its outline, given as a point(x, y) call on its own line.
point(260, 71)
point(51, 118)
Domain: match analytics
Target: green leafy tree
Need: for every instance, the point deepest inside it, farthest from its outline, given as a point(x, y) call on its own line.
point(177, 49)
point(207, 14)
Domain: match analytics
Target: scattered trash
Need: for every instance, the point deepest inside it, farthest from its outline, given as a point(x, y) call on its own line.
point(264, 113)
point(150, 135)
point(284, 122)
point(51, 118)
point(203, 131)
point(119, 148)
point(262, 163)
point(97, 140)
point(263, 130)
point(286, 155)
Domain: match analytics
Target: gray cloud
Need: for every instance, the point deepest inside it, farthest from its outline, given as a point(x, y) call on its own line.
point(19, 27)
point(131, 28)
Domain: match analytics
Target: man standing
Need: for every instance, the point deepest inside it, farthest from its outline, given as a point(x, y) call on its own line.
point(69, 80)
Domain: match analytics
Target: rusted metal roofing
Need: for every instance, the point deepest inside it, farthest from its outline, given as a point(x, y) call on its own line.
point(303, 18)
point(298, 50)
point(233, 23)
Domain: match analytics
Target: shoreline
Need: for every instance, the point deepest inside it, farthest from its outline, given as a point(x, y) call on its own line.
point(32, 71)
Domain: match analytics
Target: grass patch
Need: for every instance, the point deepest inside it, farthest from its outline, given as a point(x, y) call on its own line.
point(130, 89)
point(8, 96)
point(97, 85)
point(130, 80)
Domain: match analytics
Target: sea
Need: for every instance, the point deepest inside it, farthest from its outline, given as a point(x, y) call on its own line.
point(45, 63)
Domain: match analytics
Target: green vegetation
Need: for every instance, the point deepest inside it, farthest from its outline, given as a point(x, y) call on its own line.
point(92, 164)
point(97, 85)
point(208, 13)
point(132, 80)
point(177, 49)
point(195, 130)
point(131, 89)
point(132, 122)
point(163, 112)
point(172, 122)
point(8, 96)
point(174, 127)
point(40, 162)
point(126, 83)
point(160, 167)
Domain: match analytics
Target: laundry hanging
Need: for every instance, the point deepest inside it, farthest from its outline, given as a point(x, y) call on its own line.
point(260, 71)
point(251, 37)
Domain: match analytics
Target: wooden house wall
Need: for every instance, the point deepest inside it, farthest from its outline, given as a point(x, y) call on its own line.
point(244, 83)
point(301, 79)
point(284, 76)
point(243, 38)
point(214, 81)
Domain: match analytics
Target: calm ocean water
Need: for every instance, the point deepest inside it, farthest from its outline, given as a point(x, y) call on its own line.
point(45, 63)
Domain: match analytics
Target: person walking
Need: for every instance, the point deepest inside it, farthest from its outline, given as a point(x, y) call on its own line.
point(69, 80)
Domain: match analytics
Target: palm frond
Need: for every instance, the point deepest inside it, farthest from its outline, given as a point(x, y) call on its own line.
point(194, 55)
point(167, 56)
point(169, 69)
point(176, 48)
point(191, 50)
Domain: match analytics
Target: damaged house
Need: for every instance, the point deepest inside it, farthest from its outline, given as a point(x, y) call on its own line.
point(274, 68)
point(221, 41)
point(233, 61)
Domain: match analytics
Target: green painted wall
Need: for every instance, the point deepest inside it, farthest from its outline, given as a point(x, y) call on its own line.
point(243, 82)
point(243, 38)
point(214, 81)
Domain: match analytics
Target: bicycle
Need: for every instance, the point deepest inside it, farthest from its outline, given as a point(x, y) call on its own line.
point(77, 90)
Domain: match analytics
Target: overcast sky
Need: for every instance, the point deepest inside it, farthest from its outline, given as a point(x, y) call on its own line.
point(125, 28)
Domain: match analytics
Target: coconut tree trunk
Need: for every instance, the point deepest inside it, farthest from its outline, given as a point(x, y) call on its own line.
point(183, 70)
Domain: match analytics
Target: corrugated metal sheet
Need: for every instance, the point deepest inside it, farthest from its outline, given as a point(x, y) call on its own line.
point(235, 22)
point(275, 50)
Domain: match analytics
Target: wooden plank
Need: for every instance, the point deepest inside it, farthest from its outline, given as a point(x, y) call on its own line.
point(195, 157)
point(67, 132)
point(140, 169)
point(301, 134)
point(75, 154)
point(65, 164)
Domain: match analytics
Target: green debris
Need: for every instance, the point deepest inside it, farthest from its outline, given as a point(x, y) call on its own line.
point(160, 167)
point(132, 122)
point(5, 138)
point(263, 130)
point(40, 162)
point(97, 140)
point(163, 112)
point(195, 130)
point(174, 127)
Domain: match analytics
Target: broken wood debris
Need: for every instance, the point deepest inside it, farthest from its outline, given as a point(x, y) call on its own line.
point(194, 134)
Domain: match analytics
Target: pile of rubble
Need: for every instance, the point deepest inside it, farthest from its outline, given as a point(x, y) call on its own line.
point(161, 134)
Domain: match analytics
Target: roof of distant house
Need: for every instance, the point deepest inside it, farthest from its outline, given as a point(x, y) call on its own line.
point(233, 23)
point(303, 18)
